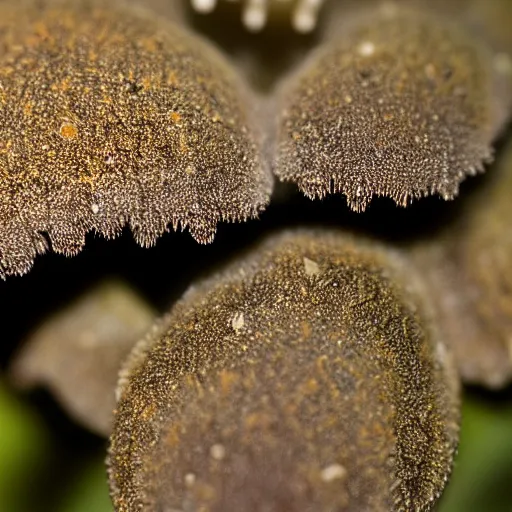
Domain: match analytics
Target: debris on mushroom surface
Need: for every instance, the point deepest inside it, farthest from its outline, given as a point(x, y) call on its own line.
point(77, 353)
point(109, 117)
point(468, 274)
point(401, 103)
point(332, 393)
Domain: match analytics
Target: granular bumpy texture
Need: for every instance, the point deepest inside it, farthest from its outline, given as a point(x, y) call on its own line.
point(401, 103)
point(300, 379)
point(109, 117)
point(468, 272)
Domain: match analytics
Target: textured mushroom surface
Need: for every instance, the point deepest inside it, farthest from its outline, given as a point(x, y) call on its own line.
point(109, 117)
point(77, 352)
point(401, 103)
point(468, 271)
point(302, 378)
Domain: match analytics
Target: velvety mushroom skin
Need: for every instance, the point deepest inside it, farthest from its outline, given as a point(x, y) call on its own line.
point(468, 276)
point(302, 378)
point(400, 103)
point(109, 116)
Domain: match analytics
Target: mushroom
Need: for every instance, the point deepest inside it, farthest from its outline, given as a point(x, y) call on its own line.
point(301, 377)
point(109, 117)
point(399, 102)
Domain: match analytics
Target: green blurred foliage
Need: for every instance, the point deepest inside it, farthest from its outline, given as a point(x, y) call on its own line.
point(481, 482)
point(90, 492)
point(24, 446)
point(482, 477)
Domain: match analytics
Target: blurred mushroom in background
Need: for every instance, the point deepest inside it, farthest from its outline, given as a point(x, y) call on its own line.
point(77, 352)
point(468, 275)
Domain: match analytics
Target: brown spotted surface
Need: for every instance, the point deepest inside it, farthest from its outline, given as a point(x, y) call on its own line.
point(399, 103)
point(300, 379)
point(110, 117)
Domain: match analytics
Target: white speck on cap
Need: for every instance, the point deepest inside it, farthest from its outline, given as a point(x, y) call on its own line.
point(333, 472)
point(311, 267)
point(217, 452)
point(190, 479)
point(238, 321)
point(366, 49)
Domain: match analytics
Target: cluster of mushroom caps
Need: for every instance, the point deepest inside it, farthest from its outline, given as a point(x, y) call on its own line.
point(320, 370)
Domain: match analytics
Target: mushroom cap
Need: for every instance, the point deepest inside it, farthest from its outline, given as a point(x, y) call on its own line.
point(300, 378)
point(109, 116)
point(400, 103)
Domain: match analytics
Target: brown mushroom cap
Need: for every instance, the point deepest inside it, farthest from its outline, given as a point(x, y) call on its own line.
point(468, 275)
point(108, 117)
point(401, 103)
point(300, 379)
